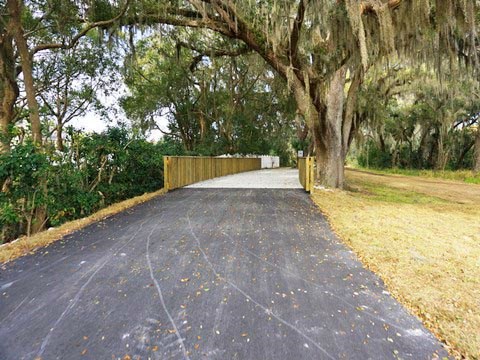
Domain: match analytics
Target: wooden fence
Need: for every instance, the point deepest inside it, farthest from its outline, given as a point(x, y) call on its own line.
point(185, 170)
point(306, 172)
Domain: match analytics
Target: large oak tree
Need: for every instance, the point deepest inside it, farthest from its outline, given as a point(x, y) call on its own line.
point(321, 48)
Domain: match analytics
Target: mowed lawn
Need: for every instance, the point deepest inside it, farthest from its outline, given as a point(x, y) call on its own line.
point(422, 236)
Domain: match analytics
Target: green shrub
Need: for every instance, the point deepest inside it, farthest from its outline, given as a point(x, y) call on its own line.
point(94, 171)
point(21, 173)
point(372, 156)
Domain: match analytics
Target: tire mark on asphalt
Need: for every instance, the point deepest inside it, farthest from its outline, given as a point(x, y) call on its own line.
point(316, 285)
point(265, 309)
point(331, 237)
point(73, 303)
point(16, 308)
point(160, 294)
point(320, 287)
point(221, 307)
point(149, 216)
point(24, 275)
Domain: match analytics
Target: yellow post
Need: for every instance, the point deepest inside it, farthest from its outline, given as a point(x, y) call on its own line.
point(312, 172)
point(307, 175)
point(166, 173)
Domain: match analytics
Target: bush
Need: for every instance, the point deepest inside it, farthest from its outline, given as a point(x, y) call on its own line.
point(94, 171)
point(21, 174)
point(372, 156)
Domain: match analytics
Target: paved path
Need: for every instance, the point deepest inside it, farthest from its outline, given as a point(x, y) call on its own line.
point(205, 274)
point(282, 178)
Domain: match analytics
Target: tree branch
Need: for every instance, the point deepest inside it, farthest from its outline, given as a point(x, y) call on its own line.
point(295, 32)
point(242, 31)
point(368, 6)
point(212, 53)
point(86, 29)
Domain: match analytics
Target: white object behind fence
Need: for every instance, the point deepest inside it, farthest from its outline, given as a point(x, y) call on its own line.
point(270, 162)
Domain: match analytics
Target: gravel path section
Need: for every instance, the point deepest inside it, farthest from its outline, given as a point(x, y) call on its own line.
point(205, 274)
point(282, 178)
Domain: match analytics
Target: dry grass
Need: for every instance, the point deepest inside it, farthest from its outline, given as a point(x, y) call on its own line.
point(426, 249)
point(467, 176)
point(27, 245)
point(449, 190)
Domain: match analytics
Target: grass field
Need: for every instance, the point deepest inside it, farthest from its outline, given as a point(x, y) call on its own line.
point(463, 175)
point(423, 239)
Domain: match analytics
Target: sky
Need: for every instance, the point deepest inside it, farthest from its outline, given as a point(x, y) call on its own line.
point(93, 122)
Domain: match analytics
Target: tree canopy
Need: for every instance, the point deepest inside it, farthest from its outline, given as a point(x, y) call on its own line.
point(216, 102)
point(322, 48)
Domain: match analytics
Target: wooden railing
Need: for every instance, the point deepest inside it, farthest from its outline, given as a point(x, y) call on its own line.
point(185, 170)
point(306, 172)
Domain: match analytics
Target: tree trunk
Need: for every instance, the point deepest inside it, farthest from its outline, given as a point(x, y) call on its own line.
point(301, 129)
point(464, 152)
point(59, 139)
point(8, 88)
point(332, 151)
point(15, 8)
point(331, 120)
point(383, 147)
point(422, 148)
point(476, 156)
point(336, 128)
point(442, 151)
point(330, 163)
point(395, 156)
point(433, 149)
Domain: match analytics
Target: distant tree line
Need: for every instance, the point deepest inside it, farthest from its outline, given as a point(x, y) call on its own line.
point(413, 121)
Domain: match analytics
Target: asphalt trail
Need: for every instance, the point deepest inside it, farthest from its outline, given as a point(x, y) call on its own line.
point(205, 274)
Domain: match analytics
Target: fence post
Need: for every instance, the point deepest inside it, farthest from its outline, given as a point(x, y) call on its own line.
point(166, 174)
point(312, 172)
point(307, 175)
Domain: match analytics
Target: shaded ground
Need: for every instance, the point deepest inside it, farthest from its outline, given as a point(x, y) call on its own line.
point(205, 273)
point(455, 191)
